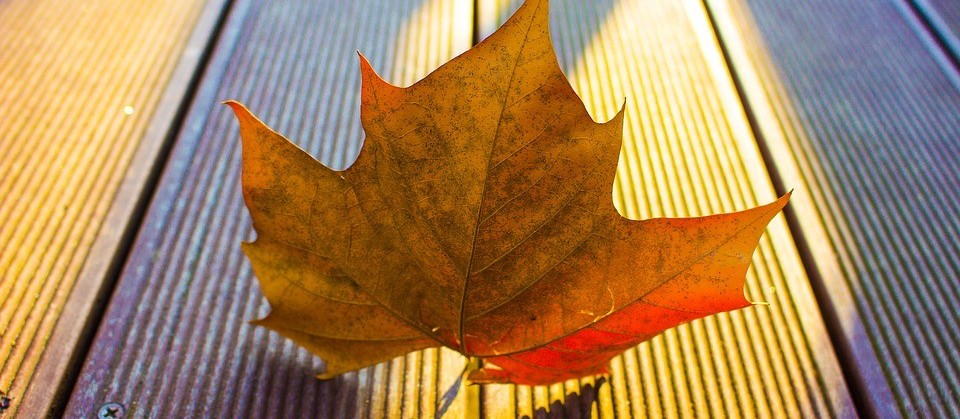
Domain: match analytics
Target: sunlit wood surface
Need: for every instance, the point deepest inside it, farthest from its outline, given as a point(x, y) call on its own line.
point(689, 150)
point(865, 119)
point(79, 82)
point(122, 286)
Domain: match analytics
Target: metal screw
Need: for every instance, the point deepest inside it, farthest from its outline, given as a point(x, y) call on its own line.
point(111, 411)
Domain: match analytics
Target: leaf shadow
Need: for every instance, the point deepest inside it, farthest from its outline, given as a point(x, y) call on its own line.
point(574, 406)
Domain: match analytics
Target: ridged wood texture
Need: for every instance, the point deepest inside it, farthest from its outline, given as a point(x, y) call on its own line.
point(947, 13)
point(175, 342)
point(861, 110)
point(941, 18)
point(949, 10)
point(78, 84)
point(688, 150)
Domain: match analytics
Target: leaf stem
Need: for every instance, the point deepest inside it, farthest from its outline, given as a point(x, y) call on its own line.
point(473, 364)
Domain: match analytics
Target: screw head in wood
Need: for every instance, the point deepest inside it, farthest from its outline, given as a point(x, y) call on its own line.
point(111, 410)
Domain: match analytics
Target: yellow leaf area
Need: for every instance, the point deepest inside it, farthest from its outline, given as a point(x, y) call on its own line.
point(479, 216)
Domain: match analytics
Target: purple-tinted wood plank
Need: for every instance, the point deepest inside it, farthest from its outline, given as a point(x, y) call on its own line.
point(861, 108)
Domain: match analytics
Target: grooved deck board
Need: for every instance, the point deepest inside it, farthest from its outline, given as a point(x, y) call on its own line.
point(942, 20)
point(948, 11)
point(175, 342)
point(861, 111)
point(79, 82)
point(688, 150)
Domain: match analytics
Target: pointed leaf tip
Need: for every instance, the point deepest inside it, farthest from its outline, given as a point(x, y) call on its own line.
point(366, 69)
point(243, 114)
point(783, 200)
point(617, 119)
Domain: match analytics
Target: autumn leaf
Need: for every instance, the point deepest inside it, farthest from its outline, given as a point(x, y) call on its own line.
point(479, 216)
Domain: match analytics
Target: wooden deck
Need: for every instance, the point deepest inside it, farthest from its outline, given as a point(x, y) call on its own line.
point(123, 289)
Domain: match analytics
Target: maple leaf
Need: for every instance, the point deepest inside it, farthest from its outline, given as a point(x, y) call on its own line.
point(479, 216)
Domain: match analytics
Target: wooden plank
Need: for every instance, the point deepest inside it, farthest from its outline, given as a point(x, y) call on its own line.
point(174, 342)
point(943, 18)
point(857, 105)
point(688, 150)
point(81, 89)
point(52, 381)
